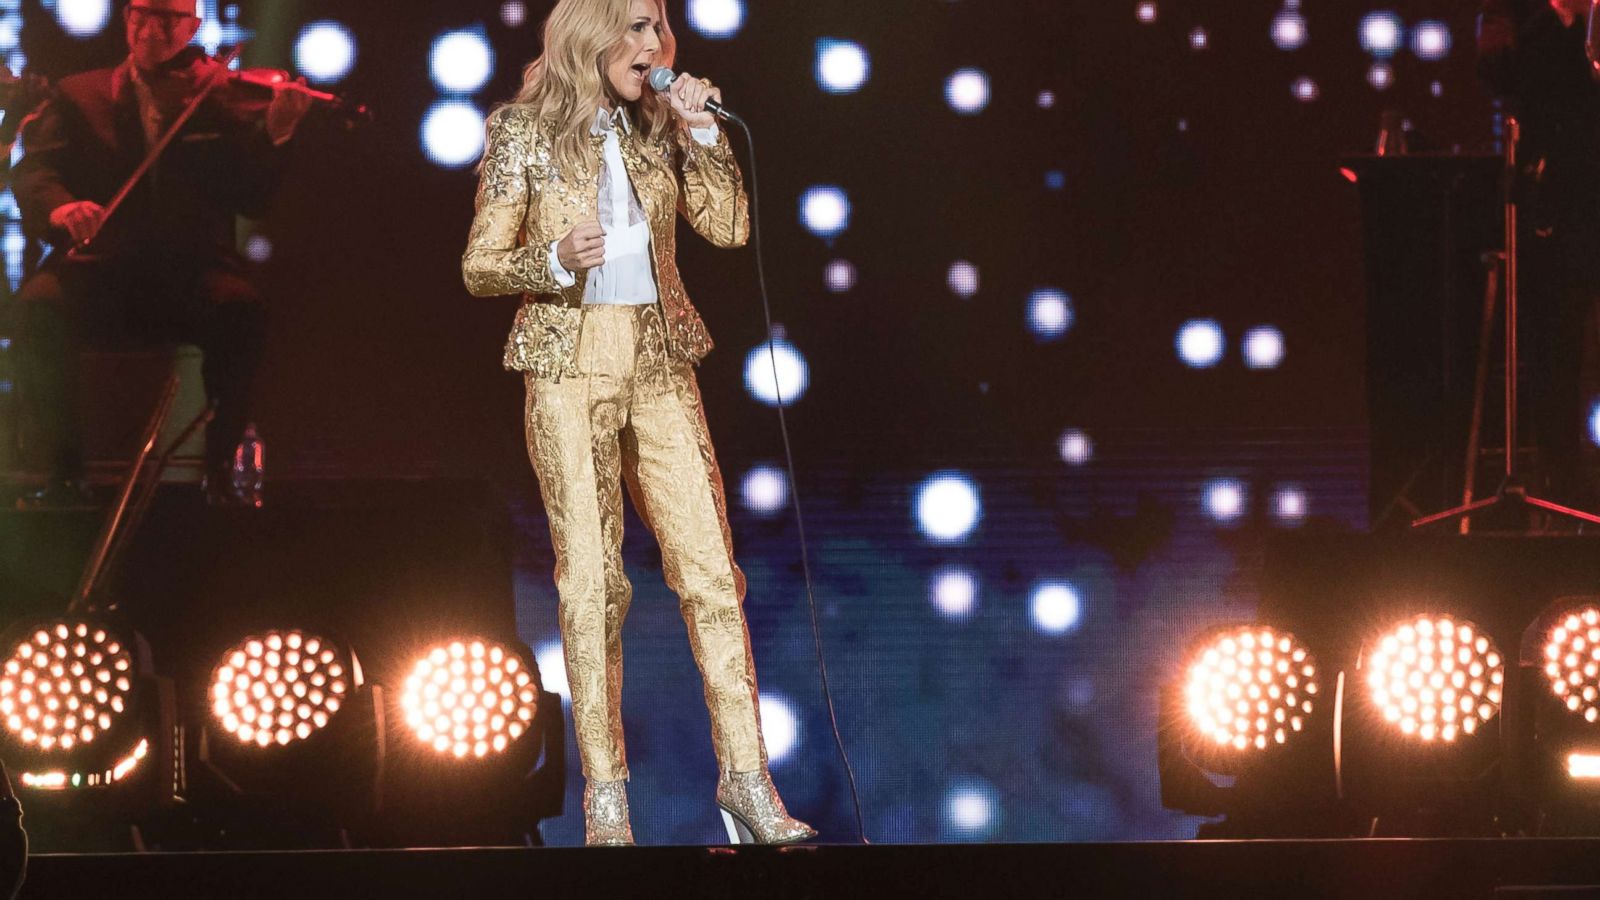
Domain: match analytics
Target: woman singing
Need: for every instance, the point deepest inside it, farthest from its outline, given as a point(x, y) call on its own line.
point(582, 180)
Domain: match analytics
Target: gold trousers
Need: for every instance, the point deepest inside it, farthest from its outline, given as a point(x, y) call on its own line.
point(632, 415)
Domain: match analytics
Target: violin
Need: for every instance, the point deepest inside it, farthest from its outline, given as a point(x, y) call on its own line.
point(249, 87)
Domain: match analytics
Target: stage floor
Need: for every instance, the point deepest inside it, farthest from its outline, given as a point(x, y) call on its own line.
point(1366, 869)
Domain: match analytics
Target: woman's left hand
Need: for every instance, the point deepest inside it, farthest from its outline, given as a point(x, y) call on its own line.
point(688, 96)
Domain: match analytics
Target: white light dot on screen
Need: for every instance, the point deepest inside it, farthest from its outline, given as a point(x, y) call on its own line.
point(765, 490)
point(83, 18)
point(1263, 347)
point(1224, 499)
point(963, 279)
point(1049, 314)
point(1055, 180)
point(840, 276)
point(325, 52)
point(513, 13)
point(1381, 33)
point(1200, 343)
point(258, 249)
point(1381, 76)
point(784, 386)
point(971, 810)
point(954, 593)
point(1305, 89)
point(1289, 30)
point(452, 134)
point(461, 61)
point(1436, 89)
point(1075, 447)
point(1199, 39)
point(948, 507)
point(717, 19)
point(1146, 12)
point(842, 66)
point(553, 669)
point(1289, 504)
point(1594, 423)
point(779, 727)
point(1047, 100)
point(825, 210)
point(10, 31)
point(1055, 608)
point(967, 91)
point(1430, 40)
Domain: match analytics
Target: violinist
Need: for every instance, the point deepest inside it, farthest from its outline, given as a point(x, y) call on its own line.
point(163, 266)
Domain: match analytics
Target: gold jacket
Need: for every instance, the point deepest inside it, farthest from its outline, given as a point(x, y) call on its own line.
point(524, 203)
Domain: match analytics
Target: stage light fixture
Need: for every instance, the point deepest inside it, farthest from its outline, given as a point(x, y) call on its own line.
point(967, 91)
point(948, 507)
point(453, 134)
point(825, 210)
point(954, 593)
point(325, 52)
point(1430, 40)
point(1076, 447)
point(1200, 343)
point(1434, 679)
point(83, 18)
point(842, 66)
point(777, 375)
point(461, 61)
point(281, 687)
point(1049, 314)
point(1382, 33)
point(1055, 608)
point(1263, 347)
point(716, 19)
point(1246, 690)
point(963, 279)
point(1289, 30)
point(1572, 662)
point(469, 698)
point(765, 490)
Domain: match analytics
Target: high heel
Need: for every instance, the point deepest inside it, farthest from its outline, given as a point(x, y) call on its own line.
point(605, 814)
point(753, 812)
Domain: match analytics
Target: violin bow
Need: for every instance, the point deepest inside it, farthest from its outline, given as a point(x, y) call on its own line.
point(160, 147)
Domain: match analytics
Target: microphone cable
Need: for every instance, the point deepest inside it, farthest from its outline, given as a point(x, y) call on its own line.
point(794, 485)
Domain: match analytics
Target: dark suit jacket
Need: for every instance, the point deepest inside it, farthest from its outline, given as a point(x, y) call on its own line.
point(88, 139)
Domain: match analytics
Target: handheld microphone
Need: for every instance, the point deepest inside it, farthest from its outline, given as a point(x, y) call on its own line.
point(1591, 44)
point(662, 78)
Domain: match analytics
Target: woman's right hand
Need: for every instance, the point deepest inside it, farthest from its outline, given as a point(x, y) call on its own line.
point(584, 247)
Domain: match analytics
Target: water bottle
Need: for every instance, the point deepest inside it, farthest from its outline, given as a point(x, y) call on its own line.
point(249, 466)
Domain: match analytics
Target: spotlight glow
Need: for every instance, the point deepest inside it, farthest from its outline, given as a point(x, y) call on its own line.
point(948, 507)
point(1434, 678)
point(963, 279)
point(1382, 33)
point(1430, 40)
point(967, 91)
point(778, 376)
point(825, 210)
point(325, 52)
point(954, 593)
point(1049, 314)
point(280, 687)
point(1583, 766)
point(1225, 499)
point(461, 61)
point(83, 18)
point(1263, 347)
point(1289, 30)
point(842, 66)
point(453, 134)
point(469, 698)
point(716, 19)
point(1055, 608)
point(1249, 689)
point(1075, 446)
point(765, 490)
point(552, 662)
point(780, 727)
point(971, 810)
point(1200, 343)
point(64, 685)
point(1572, 661)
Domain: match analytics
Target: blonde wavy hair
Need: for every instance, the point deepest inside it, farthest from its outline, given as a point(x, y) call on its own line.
point(568, 82)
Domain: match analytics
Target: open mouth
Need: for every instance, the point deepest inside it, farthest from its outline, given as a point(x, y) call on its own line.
point(641, 70)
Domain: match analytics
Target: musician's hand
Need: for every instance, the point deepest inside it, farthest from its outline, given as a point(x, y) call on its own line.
point(584, 247)
point(688, 96)
point(288, 107)
point(80, 220)
point(1570, 11)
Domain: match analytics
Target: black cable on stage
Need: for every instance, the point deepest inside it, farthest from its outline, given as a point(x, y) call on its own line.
point(794, 485)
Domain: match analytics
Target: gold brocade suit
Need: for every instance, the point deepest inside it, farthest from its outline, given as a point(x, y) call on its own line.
point(612, 398)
